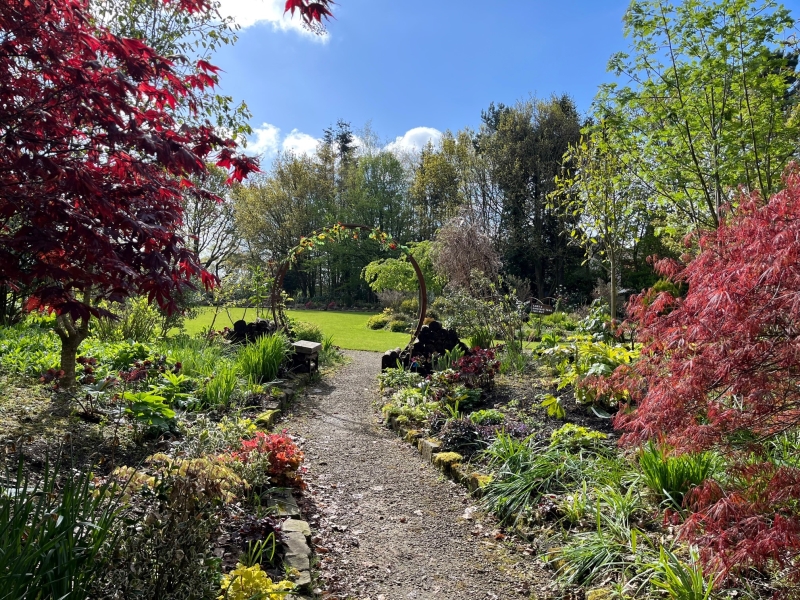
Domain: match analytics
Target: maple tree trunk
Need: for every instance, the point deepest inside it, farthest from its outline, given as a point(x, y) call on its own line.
point(69, 353)
point(71, 335)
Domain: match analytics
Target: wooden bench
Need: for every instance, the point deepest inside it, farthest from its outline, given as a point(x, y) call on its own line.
point(306, 356)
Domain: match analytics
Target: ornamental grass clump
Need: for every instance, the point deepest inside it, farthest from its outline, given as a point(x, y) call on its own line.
point(55, 532)
point(261, 361)
point(220, 387)
point(671, 477)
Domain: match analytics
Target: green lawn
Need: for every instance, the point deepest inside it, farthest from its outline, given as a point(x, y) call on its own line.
point(349, 329)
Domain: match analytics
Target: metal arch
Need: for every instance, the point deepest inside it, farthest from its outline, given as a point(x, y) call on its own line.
point(277, 286)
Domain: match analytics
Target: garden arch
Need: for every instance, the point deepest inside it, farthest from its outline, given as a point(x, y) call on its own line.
point(337, 233)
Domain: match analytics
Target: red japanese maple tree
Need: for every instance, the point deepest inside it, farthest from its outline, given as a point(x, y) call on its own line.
point(93, 162)
point(720, 369)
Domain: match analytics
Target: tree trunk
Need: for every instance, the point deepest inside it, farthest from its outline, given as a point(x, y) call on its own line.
point(69, 353)
point(71, 335)
point(613, 300)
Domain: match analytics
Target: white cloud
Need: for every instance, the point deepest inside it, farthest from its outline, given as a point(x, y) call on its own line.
point(415, 139)
point(250, 12)
point(267, 141)
point(299, 142)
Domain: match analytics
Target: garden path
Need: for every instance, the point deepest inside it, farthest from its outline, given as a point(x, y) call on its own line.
point(386, 524)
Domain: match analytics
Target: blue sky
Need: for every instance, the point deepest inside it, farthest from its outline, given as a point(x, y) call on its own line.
point(413, 68)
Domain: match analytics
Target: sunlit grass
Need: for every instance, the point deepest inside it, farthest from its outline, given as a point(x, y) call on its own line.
point(348, 329)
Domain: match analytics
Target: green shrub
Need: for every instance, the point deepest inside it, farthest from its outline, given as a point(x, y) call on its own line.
point(124, 354)
point(378, 321)
point(416, 414)
point(574, 437)
point(461, 398)
point(163, 550)
point(150, 411)
point(488, 416)
point(260, 361)
point(408, 397)
point(561, 320)
point(410, 306)
point(665, 285)
point(55, 533)
point(398, 326)
point(29, 348)
point(582, 356)
point(399, 378)
point(307, 331)
point(671, 477)
point(137, 320)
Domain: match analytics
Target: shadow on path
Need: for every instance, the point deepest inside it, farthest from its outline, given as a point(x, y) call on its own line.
point(387, 525)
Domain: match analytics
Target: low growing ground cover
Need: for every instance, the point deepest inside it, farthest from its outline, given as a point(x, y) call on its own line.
point(160, 466)
point(348, 330)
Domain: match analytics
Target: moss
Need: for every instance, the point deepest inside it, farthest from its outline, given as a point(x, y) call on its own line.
point(267, 419)
point(460, 473)
point(599, 594)
point(445, 460)
point(477, 481)
point(412, 436)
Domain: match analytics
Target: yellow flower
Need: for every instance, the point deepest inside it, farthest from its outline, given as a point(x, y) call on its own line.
point(244, 583)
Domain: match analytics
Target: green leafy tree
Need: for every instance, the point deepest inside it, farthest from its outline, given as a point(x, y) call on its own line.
point(609, 203)
point(710, 103)
point(525, 145)
point(398, 274)
point(186, 38)
point(435, 190)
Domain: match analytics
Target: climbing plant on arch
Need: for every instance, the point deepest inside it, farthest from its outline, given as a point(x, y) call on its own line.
point(338, 233)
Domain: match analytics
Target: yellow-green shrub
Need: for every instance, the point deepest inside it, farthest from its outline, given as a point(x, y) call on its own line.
point(244, 583)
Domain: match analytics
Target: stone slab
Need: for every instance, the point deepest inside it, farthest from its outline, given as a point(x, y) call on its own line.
point(297, 561)
point(290, 525)
point(283, 504)
point(295, 543)
point(303, 581)
point(429, 447)
point(305, 347)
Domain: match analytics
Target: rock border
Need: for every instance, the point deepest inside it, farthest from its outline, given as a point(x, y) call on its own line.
point(449, 463)
point(296, 531)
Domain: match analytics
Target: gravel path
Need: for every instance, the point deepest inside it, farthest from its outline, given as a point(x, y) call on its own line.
point(386, 524)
